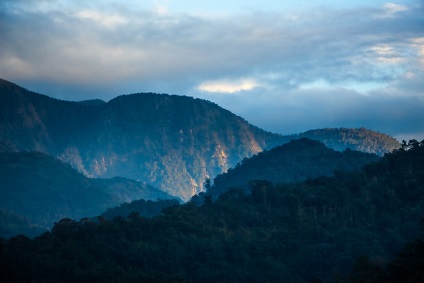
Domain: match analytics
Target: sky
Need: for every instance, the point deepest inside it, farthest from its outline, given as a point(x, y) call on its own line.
point(285, 66)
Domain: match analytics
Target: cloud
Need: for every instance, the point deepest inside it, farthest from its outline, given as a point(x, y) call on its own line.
point(278, 66)
point(227, 86)
point(418, 44)
point(303, 109)
point(107, 20)
point(386, 54)
point(390, 9)
point(151, 46)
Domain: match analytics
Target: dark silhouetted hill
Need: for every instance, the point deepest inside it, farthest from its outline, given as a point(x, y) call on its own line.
point(295, 161)
point(37, 190)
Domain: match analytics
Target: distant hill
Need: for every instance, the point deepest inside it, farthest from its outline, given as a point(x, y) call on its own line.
point(12, 224)
point(127, 190)
point(37, 190)
point(172, 142)
point(295, 161)
point(92, 102)
point(356, 139)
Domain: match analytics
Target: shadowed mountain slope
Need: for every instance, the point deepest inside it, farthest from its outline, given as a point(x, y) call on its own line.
point(295, 161)
point(172, 142)
point(37, 190)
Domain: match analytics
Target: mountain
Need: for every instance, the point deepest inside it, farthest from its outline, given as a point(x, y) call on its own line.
point(172, 142)
point(92, 102)
point(12, 224)
point(356, 139)
point(127, 190)
point(315, 231)
point(295, 161)
point(37, 190)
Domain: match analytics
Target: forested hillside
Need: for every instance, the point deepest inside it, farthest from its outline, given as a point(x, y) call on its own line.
point(356, 139)
point(295, 161)
point(315, 231)
point(171, 142)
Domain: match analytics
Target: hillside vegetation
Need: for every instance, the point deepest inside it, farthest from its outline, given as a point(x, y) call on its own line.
point(295, 161)
point(319, 230)
point(356, 139)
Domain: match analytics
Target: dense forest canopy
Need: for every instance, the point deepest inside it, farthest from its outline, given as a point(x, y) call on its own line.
point(328, 229)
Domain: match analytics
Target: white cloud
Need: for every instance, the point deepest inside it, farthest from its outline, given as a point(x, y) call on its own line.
point(104, 19)
point(392, 8)
point(389, 10)
point(161, 10)
point(228, 86)
point(386, 54)
point(418, 44)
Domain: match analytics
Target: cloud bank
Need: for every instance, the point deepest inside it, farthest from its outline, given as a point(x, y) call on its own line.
point(284, 71)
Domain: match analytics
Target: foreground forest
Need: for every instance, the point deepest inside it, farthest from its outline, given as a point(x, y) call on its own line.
point(346, 228)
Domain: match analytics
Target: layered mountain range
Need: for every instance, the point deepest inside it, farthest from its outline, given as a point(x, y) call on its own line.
point(171, 142)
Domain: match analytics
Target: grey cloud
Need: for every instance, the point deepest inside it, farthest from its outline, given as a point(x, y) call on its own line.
point(163, 47)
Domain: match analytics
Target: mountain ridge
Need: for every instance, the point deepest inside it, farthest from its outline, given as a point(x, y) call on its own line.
point(295, 161)
point(360, 139)
point(172, 142)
